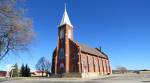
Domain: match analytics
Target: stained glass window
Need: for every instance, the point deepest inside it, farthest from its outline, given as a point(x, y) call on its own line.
point(61, 54)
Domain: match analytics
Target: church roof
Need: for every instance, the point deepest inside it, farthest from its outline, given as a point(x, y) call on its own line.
point(65, 19)
point(90, 50)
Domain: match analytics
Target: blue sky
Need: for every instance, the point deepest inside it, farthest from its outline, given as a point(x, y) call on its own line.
point(120, 27)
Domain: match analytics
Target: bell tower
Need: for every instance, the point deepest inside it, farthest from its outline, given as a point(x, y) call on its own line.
point(65, 26)
point(65, 34)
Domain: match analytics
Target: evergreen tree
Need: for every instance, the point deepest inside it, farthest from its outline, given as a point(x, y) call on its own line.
point(25, 71)
point(15, 71)
point(22, 71)
point(28, 72)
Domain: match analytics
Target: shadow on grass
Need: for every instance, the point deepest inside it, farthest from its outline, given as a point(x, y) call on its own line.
point(146, 81)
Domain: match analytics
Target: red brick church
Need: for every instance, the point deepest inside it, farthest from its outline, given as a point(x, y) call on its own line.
point(72, 59)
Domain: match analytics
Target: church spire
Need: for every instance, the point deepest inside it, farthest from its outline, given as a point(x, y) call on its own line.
point(65, 18)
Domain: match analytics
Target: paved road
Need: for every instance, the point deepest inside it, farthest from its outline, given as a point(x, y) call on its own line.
point(110, 79)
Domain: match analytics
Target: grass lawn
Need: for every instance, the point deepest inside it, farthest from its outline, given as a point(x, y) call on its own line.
point(2, 79)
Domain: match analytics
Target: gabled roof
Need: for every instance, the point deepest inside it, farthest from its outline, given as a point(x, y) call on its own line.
point(65, 19)
point(90, 50)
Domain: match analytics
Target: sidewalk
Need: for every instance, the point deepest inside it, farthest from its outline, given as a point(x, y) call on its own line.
point(59, 79)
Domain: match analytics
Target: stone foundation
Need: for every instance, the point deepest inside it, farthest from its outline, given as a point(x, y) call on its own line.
point(71, 75)
point(82, 75)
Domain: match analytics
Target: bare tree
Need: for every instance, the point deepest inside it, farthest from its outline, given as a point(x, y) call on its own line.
point(122, 70)
point(43, 65)
point(16, 30)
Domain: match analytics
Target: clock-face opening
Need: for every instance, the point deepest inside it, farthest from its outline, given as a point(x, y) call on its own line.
point(61, 34)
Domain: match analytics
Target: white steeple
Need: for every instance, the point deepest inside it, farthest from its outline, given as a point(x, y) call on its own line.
point(65, 18)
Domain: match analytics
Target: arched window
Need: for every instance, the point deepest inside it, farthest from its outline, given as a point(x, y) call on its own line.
point(76, 56)
point(69, 34)
point(61, 54)
point(62, 34)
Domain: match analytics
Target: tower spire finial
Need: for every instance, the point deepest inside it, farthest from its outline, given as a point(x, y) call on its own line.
point(65, 6)
point(65, 18)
